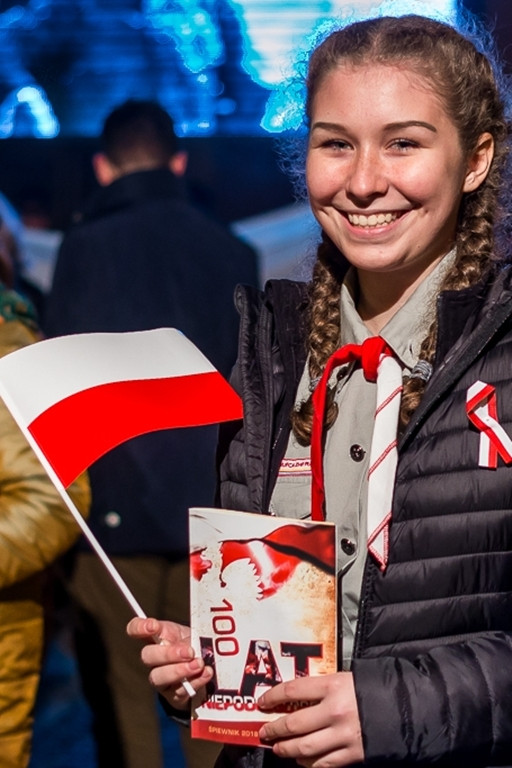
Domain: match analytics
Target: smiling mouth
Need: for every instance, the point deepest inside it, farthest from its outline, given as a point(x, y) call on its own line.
point(373, 220)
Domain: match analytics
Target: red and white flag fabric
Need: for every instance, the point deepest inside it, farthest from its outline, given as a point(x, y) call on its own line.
point(81, 395)
point(76, 397)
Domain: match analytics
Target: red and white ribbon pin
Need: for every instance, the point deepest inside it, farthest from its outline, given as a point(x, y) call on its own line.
point(482, 412)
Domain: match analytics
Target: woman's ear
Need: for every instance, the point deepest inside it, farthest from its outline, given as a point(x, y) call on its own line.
point(479, 163)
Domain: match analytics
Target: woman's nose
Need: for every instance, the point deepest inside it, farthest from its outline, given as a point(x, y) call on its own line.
point(367, 177)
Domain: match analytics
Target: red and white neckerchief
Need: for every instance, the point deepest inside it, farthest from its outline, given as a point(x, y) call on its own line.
point(379, 364)
point(481, 408)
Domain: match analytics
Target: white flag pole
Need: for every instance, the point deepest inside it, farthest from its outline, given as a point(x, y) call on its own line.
point(91, 538)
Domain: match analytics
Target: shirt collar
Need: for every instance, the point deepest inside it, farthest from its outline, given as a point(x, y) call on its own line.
point(405, 331)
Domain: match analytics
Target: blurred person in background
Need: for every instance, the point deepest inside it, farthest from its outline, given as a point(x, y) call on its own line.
point(35, 528)
point(17, 256)
point(143, 256)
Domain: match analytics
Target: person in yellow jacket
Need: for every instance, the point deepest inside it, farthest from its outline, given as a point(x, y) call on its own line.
point(35, 528)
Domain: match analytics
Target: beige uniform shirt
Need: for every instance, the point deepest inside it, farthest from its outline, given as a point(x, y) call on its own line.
point(347, 446)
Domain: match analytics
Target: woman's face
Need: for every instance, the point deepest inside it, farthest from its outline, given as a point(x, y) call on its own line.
point(385, 169)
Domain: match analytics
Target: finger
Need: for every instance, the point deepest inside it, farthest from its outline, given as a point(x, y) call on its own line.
point(180, 694)
point(169, 678)
point(304, 721)
point(299, 689)
point(140, 628)
point(171, 653)
point(169, 630)
point(149, 628)
point(315, 749)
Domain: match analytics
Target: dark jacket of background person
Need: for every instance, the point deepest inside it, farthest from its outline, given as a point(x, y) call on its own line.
point(442, 612)
point(143, 257)
point(35, 528)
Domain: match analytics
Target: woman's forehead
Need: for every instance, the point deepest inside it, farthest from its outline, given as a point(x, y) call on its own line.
point(402, 81)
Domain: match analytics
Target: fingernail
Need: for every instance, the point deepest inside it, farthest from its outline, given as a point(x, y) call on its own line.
point(186, 653)
point(195, 665)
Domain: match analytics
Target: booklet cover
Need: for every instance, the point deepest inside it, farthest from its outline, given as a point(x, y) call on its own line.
point(263, 610)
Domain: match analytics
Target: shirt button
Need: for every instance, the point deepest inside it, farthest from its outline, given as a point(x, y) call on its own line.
point(357, 452)
point(113, 519)
point(348, 546)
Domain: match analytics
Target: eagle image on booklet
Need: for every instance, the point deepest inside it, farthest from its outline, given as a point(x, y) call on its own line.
point(263, 611)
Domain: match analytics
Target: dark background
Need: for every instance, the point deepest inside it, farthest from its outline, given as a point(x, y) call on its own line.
point(497, 14)
point(235, 173)
point(236, 176)
point(87, 56)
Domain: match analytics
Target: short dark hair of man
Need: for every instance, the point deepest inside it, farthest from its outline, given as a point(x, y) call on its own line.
point(139, 132)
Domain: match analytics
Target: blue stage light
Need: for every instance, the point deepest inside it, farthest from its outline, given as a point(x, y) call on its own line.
point(216, 65)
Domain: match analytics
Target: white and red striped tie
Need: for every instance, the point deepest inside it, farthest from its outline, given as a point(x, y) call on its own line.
point(379, 365)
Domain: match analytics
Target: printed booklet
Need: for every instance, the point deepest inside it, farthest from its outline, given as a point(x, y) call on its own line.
point(263, 610)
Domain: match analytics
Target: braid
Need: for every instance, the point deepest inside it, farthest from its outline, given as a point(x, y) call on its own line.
point(474, 245)
point(324, 332)
point(479, 248)
point(464, 72)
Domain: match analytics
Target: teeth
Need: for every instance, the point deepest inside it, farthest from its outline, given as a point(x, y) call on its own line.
point(374, 220)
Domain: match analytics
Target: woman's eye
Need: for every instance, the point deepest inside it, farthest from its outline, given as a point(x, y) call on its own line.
point(335, 144)
point(403, 144)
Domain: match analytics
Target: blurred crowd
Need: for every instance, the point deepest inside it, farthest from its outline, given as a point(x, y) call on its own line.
point(141, 255)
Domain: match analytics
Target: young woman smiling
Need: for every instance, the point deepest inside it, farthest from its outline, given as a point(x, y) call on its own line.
point(405, 170)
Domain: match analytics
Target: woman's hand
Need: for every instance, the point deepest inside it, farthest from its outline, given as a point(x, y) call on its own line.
point(326, 734)
point(170, 658)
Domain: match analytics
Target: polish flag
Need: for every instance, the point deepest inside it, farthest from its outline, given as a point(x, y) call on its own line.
point(80, 396)
point(76, 397)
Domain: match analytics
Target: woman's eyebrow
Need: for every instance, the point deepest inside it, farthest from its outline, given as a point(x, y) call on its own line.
point(390, 127)
point(329, 127)
point(411, 124)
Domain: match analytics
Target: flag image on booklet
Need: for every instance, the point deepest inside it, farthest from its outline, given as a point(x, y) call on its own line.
point(263, 611)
